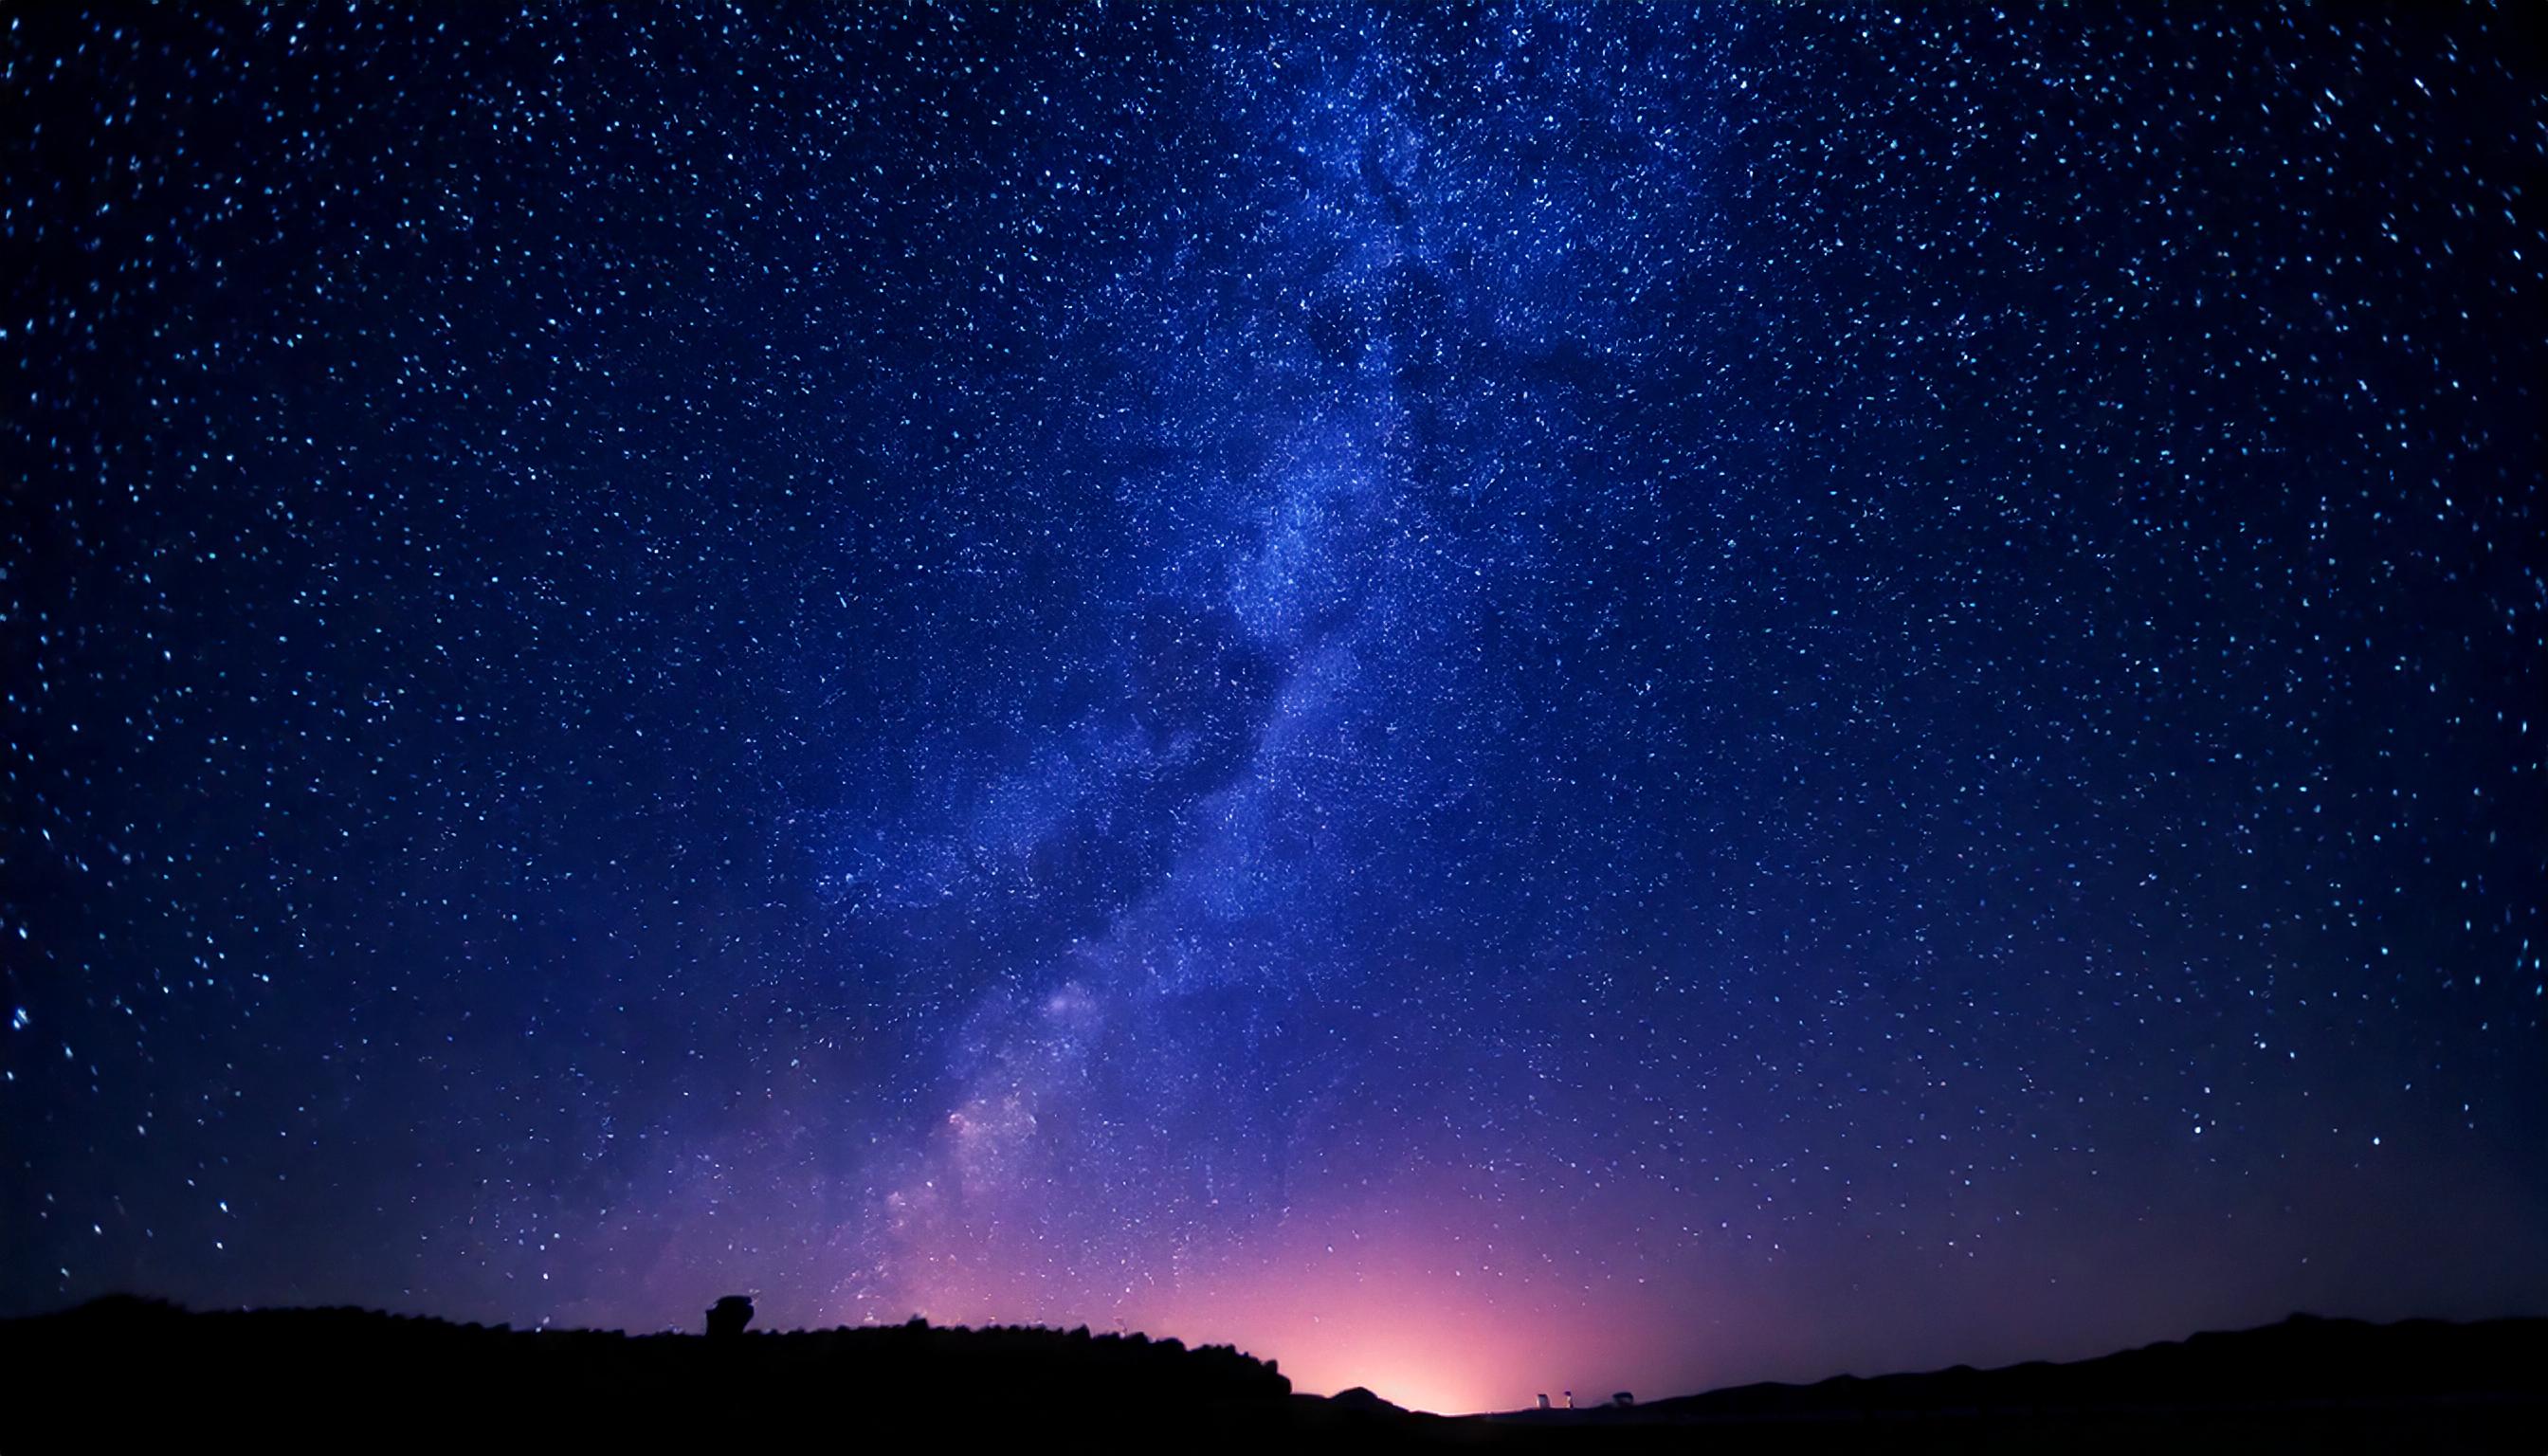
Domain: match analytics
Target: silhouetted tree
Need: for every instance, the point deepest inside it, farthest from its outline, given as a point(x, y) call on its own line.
point(728, 1315)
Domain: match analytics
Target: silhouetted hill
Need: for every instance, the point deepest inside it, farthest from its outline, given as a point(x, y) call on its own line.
point(123, 1373)
point(359, 1376)
point(2304, 1359)
point(2339, 1379)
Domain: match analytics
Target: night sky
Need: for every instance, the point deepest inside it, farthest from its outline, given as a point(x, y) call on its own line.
point(1491, 698)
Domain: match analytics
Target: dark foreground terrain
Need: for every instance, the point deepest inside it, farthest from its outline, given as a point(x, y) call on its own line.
point(120, 1372)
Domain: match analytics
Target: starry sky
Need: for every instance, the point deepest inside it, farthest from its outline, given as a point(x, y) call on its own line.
point(1491, 697)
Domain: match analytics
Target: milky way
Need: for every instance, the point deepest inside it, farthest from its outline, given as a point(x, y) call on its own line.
point(1491, 698)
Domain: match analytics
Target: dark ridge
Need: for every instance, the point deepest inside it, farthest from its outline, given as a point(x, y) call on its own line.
point(2305, 1384)
point(315, 1370)
point(124, 1373)
point(1060, 1367)
point(2304, 1361)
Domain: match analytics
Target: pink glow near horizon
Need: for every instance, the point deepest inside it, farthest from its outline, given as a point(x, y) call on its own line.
point(1389, 1316)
